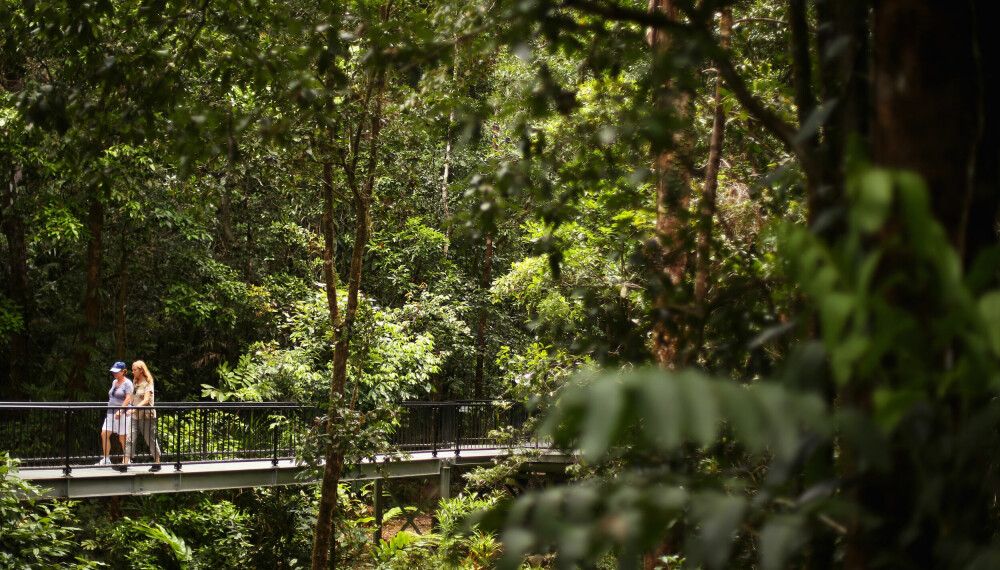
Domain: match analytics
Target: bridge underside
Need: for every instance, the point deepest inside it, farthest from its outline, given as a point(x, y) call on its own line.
point(102, 481)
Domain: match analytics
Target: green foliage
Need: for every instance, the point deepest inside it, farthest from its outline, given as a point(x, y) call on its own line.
point(465, 545)
point(389, 549)
point(645, 419)
point(206, 535)
point(10, 318)
point(181, 550)
point(454, 545)
point(280, 520)
point(648, 427)
point(538, 371)
point(388, 362)
point(254, 528)
point(179, 155)
point(408, 258)
point(35, 534)
point(267, 373)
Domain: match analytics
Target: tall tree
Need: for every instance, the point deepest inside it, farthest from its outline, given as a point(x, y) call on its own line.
point(357, 151)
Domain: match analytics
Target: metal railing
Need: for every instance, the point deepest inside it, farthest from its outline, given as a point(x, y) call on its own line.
point(67, 435)
point(454, 426)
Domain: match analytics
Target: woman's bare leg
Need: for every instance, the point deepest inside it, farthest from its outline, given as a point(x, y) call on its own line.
point(125, 458)
point(106, 444)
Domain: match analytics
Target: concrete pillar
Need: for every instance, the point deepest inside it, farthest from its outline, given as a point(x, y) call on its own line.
point(445, 479)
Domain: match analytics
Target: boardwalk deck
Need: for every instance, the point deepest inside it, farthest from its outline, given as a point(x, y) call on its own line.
point(102, 481)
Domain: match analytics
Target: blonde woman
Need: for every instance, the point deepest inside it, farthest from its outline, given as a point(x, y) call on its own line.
point(144, 418)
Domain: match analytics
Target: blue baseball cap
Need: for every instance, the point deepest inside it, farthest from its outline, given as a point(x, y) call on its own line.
point(118, 367)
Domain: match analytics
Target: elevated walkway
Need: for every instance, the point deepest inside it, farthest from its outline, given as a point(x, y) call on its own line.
point(211, 446)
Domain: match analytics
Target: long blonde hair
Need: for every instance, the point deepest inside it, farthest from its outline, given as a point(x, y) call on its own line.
point(145, 370)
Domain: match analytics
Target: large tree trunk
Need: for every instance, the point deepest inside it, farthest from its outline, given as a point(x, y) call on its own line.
point(933, 115)
point(842, 34)
point(92, 300)
point(481, 332)
point(930, 63)
point(17, 286)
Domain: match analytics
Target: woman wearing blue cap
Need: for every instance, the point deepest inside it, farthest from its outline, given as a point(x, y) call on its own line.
point(116, 421)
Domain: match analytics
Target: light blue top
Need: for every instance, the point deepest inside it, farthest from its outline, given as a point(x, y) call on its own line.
point(117, 394)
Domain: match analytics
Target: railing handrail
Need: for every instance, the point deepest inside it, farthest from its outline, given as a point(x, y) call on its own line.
point(209, 430)
point(172, 405)
point(241, 404)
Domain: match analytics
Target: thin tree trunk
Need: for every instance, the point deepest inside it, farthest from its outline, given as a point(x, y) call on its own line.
point(122, 295)
point(673, 190)
point(481, 333)
point(329, 247)
point(447, 161)
point(806, 108)
point(334, 458)
point(673, 194)
point(334, 454)
point(710, 187)
point(13, 230)
point(92, 300)
point(444, 182)
point(225, 204)
point(343, 330)
point(250, 252)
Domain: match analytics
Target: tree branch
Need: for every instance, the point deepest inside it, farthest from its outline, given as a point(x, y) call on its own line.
point(758, 20)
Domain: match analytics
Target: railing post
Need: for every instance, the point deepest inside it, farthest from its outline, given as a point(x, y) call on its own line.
point(204, 435)
point(274, 436)
point(435, 428)
point(458, 428)
point(69, 417)
point(177, 438)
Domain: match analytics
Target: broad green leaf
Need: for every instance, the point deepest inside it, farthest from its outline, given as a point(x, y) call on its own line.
point(718, 517)
point(891, 405)
point(701, 410)
point(605, 404)
point(661, 409)
point(989, 310)
point(835, 309)
point(781, 537)
point(873, 199)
